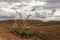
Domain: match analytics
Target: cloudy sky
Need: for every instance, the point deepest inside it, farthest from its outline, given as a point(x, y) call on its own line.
point(44, 10)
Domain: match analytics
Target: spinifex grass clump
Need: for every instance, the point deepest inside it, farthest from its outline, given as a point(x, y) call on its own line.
point(22, 32)
point(29, 34)
point(42, 36)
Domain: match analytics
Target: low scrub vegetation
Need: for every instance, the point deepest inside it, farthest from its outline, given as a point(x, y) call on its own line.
point(27, 33)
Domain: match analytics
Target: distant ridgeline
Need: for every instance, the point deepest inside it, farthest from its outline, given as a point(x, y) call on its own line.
point(30, 23)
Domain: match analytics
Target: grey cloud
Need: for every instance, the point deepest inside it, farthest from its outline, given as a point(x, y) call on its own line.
point(15, 0)
point(49, 0)
point(50, 4)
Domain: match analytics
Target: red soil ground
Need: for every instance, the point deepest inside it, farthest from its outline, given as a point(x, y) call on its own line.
point(51, 29)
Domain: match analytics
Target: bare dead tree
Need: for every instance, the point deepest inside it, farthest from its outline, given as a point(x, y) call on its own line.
point(29, 12)
point(18, 13)
point(26, 21)
point(53, 11)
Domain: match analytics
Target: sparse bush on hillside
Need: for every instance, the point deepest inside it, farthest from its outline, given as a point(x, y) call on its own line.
point(42, 36)
point(28, 34)
point(22, 32)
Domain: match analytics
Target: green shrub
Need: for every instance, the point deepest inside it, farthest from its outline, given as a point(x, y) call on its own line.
point(25, 33)
point(22, 32)
point(42, 36)
point(28, 33)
